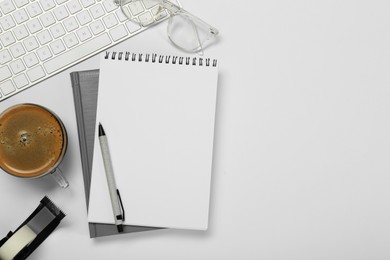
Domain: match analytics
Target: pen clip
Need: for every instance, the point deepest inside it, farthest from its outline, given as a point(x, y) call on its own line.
point(120, 201)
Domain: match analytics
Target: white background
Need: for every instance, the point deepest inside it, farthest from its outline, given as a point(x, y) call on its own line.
point(302, 140)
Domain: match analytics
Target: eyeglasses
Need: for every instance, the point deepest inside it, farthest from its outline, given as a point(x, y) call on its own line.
point(185, 31)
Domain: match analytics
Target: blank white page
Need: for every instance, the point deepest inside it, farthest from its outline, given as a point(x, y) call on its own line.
point(159, 122)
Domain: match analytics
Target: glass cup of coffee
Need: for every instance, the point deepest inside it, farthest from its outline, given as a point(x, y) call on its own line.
point(33, 142)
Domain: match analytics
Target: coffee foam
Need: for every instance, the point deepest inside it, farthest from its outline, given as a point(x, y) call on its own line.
point(32, 141)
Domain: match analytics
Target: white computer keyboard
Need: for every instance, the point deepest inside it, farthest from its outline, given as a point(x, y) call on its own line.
point(39, 38)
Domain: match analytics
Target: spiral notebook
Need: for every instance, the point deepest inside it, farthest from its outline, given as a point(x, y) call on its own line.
point(158, 113)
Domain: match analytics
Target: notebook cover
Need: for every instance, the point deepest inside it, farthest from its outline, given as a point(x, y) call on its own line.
point(85, 91)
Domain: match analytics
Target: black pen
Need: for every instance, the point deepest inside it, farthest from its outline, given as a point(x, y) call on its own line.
point(119, 215)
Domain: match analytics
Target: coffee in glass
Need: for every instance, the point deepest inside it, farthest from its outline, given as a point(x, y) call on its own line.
point(33, 142)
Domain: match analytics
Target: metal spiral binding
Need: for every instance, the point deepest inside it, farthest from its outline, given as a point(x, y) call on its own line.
point(167, 59)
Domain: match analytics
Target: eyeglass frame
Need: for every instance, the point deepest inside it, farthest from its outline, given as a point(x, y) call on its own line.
point(173, 10)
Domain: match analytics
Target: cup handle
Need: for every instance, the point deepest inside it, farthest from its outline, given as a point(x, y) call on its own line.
point(59, 178)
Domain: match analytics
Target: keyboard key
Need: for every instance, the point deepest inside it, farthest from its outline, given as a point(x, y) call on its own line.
point(146, 19)
point(70, 40)
point(61, 13)
point(44, 37)
point(30, 43)
point(7, 22)
point(47, 4)
point(7, 39)
point(87, 3)
point(34, 9)
point(132, 26)
point(136, 8)
point(30, 60)
point(97, 11)
point(110, 21)
point(71, 24)
point(5, 56)
point(17, 50)
point(84, 33)
point(97, 27)
point(83, 17)
point(121, 16)
point(5, 73)
point(17, 66)
point(20, 3)
point(47, 19)
point(20, 16)
point(7, 87)
point(6, 6)
point(20, 32)
point(74, 6)
point(57, 30)
point(44, 53)
point(57, 46)
point(149, 3)
point(118, 33)
point(109, 5)
point(158, 13)
point(34, 25)
point(78, 52)
point(20, 81)
point(35, 73)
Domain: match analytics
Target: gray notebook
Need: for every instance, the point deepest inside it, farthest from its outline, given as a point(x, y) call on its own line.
point(85, 91)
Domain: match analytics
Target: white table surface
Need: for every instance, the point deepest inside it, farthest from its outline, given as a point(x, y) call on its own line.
point(302, 141)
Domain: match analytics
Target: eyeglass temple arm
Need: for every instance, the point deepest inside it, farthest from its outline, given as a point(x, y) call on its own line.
point(174, 9)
